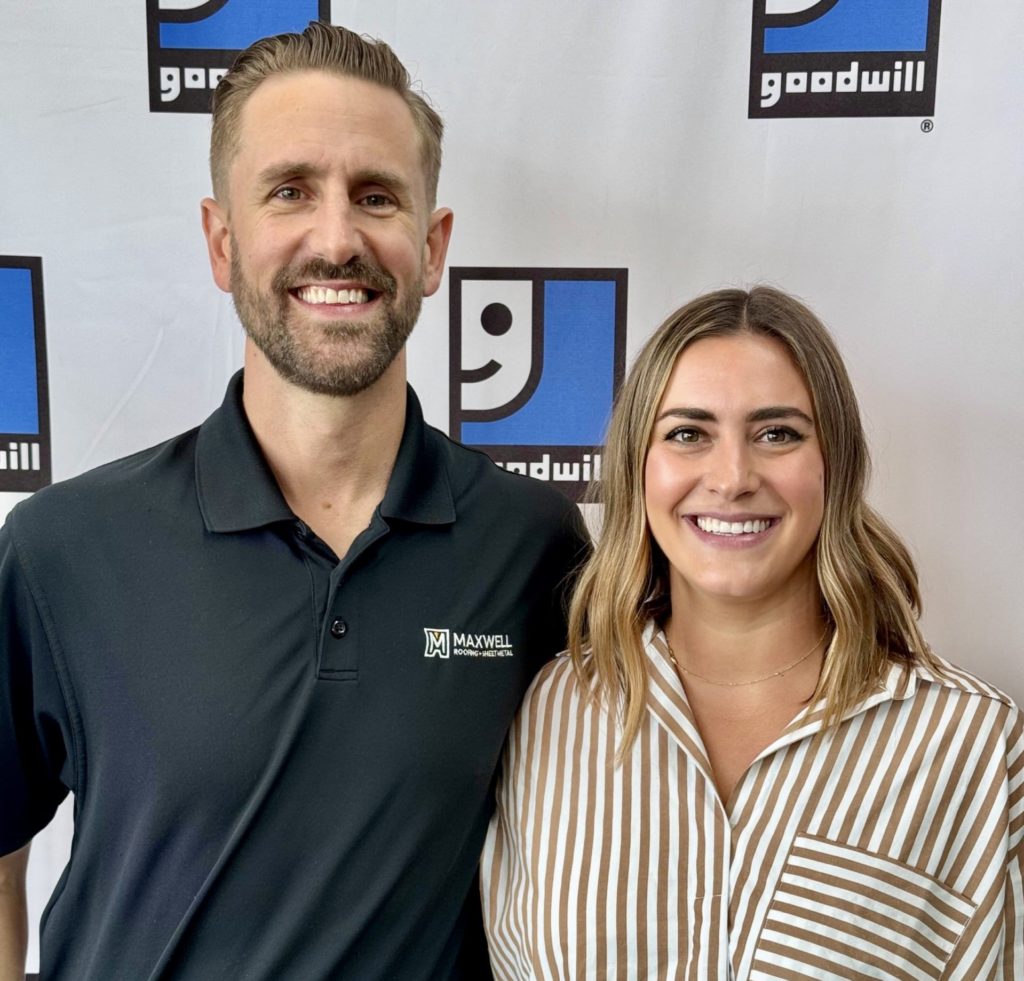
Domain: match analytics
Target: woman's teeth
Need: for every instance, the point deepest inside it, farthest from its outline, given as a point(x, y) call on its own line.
point(716, 527)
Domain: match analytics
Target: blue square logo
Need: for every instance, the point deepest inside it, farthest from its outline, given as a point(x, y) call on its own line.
point(844, 58)
point(537, 356)
point(193, 43)
point(24, 407)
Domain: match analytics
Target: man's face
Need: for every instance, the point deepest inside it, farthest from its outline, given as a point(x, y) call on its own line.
point(326, 241)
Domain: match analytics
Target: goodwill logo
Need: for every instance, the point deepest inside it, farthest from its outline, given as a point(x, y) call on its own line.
point(844, 58)
point(24, 401)
point(536, 358)
point(445, 643)
point(192, 43)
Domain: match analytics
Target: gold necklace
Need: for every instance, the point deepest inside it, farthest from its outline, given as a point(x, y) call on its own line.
point(742, 684)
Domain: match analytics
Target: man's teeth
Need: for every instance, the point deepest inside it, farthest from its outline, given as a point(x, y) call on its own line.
point(716, 527)
point(324, 294)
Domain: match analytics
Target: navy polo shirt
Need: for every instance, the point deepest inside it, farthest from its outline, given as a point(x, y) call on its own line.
point(282, 762)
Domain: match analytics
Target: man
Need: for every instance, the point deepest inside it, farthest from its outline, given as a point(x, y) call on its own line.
point(275, 658)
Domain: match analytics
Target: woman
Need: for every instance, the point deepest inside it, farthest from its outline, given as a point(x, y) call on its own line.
point(751, 765)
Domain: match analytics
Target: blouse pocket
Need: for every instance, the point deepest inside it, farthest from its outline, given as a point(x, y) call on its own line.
point(842, 912)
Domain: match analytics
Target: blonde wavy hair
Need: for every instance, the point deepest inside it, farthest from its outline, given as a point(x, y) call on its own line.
point(868, 582)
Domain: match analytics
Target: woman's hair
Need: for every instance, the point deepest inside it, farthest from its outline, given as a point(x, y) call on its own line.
point(867, 578)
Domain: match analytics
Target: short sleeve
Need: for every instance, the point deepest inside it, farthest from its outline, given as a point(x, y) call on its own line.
point(34, 756)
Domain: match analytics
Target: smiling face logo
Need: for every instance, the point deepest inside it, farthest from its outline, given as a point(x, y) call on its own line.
point(24, 401)
point(536, 358)
point(843, 58)
point(192, 43)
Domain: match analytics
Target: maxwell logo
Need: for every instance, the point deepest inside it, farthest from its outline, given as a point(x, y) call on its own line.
point(437, 642)
point(442, 642)
point(24, 402)
point(192, 43)
point(843, 58)
point(536, 358)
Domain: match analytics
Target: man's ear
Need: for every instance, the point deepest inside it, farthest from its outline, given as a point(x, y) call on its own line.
point(218, 242)
point(439, 233)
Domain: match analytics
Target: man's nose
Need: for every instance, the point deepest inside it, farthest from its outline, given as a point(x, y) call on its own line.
point(335, 234)
point(732, 469)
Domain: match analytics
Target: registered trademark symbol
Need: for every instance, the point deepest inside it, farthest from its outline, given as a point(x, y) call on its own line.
point(927, 125)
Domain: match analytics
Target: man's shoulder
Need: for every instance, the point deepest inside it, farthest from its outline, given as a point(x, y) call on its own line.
point(476, 479)
point(114, 492)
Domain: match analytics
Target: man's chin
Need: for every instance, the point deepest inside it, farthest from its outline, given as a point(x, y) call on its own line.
point(328, 373)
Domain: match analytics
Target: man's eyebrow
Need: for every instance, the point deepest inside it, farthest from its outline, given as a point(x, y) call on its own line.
point(277, 172)
point(768, 413)
point(388, 178)
point(280, 171)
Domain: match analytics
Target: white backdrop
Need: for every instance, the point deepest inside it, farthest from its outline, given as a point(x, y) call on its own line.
point(586, 133)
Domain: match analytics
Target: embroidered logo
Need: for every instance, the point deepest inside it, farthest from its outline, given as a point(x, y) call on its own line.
point(437, 642)
point(443, 642)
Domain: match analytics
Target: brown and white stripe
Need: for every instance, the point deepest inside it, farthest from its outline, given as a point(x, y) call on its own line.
point(890, 847)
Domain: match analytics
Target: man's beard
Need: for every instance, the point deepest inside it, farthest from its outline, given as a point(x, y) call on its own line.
point(341, 357)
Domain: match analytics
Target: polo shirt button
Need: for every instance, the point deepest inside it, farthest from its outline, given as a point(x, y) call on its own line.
point(339, 628)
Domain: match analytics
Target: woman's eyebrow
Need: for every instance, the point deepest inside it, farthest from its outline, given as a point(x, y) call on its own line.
point(684, 412)
point(779, 412)
point(769, 412)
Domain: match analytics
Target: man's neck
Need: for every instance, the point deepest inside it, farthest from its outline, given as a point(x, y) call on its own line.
point(332, 456)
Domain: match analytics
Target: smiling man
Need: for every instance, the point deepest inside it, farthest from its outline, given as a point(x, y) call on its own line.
point(275, 658)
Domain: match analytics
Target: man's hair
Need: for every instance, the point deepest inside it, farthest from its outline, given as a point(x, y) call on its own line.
point(326, 48)
point(868, 583)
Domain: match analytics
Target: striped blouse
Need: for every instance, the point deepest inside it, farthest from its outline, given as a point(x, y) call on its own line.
point(892, 847)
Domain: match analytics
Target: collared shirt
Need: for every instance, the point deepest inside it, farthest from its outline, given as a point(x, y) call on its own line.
point(890, 847)
point(282, 759)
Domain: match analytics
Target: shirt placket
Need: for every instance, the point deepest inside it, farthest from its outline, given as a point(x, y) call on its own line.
point(340, 612)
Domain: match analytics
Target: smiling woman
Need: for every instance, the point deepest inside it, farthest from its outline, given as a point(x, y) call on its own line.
point(735, 476)
point(752, 765)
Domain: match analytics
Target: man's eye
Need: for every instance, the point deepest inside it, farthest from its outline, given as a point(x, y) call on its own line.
point(780, 435)
point(377, 201)
point(288, 194)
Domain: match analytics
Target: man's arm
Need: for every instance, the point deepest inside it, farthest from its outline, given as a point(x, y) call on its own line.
point(13, 915)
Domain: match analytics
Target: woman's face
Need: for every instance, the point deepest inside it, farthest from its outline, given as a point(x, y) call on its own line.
point(735, 478)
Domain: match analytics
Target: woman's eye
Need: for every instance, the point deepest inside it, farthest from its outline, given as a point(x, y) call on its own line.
point(780, 435)
point(685, 434)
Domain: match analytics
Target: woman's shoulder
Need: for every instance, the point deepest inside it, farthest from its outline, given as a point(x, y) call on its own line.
point(558, 705)
point(994, 711)
point(558, 678)
point(946, 674)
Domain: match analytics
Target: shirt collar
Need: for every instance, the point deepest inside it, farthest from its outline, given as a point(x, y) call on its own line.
point(237, 490)
point(672, 706)
point(899, 683)
point(419, 489)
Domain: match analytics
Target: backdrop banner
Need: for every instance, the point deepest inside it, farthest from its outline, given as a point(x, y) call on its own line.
point(606, 161)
